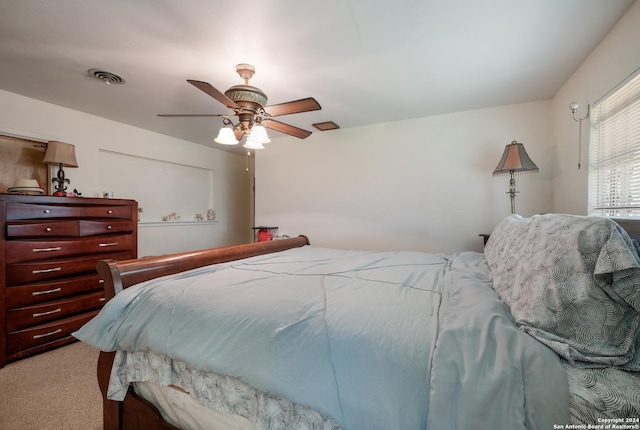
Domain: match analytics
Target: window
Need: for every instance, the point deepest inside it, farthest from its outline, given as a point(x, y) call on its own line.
point(614, 152)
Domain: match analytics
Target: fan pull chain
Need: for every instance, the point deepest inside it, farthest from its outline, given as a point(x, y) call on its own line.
point(574, 106)
point(579, 143)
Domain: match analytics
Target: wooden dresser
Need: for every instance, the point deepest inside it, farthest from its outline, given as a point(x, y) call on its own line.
point(50, 246)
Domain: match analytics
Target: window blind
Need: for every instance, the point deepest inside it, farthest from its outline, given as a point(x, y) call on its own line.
point(614, 152)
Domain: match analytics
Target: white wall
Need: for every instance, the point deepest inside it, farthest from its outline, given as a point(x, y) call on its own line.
point(425, 184)
point(617, 56)
point(419, 184)
point(29, 118)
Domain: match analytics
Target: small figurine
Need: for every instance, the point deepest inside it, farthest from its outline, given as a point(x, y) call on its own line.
point(173, 216)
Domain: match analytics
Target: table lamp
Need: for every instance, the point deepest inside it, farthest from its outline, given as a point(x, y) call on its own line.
point(62, 154)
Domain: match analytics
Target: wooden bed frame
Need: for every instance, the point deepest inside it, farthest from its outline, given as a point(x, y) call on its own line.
point(134, 412)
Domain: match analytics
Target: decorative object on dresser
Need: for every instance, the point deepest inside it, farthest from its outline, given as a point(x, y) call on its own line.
point(61, 154)
point(514, 160)
point(26, 186)
point(50, 247)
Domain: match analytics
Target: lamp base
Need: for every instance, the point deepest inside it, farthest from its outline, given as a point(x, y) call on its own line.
point(512, 193)
point(61, 189)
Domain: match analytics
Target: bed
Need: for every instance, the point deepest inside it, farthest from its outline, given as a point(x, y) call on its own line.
point(540, 331)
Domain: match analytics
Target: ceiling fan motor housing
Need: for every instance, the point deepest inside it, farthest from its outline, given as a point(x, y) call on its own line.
point(247, 96)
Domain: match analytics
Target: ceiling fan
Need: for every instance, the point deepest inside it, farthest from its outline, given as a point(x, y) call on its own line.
point(249, 105)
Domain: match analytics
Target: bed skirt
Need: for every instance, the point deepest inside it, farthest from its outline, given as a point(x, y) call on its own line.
point(193, 399)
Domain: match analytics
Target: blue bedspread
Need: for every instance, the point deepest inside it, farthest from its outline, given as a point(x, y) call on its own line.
point(374, 340)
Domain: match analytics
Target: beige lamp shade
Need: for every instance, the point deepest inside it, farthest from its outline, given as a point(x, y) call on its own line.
point(60, 153)
point(515, 160)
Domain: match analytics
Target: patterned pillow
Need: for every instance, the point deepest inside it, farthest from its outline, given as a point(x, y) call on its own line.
point(572, 282)
point(636, 245)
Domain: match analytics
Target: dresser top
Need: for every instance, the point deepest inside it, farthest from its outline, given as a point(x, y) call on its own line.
point(55, 200)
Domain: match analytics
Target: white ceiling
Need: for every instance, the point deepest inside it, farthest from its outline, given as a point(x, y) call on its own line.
point(364, 61)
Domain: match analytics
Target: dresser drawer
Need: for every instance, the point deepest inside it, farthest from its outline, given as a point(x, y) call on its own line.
point(21, 340)
point(67, 228)
point(19, 251)
point(28, 316)
point(34, 211)
point(107, 212)
point(46, 228)
point(43, 291)
point(91, 228)
point(24, 273)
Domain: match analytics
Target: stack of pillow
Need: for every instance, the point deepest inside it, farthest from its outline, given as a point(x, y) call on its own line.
point(572, 282)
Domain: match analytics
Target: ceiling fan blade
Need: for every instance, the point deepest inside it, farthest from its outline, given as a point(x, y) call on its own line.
point(297, 106)
point(285, 128)
point(208, 88)
point(168, 115)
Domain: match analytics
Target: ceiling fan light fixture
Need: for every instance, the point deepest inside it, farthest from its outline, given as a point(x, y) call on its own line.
point(259, 134)
point(253, 144)
point(257, 137)
point(226, 137)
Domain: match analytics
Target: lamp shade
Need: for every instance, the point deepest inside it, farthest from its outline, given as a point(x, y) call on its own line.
point(253, 144)
point(60, 153)
point(259, 134)
point(226, 137)
point(515, 160)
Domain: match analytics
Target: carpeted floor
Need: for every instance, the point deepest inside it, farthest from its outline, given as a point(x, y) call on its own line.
point(54, 390)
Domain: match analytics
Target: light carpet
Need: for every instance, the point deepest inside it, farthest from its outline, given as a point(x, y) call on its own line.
point(54, 390)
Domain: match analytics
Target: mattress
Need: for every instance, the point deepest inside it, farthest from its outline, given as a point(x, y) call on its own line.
point(178, 408)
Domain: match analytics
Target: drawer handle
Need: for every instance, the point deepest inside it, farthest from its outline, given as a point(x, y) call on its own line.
point(42, 314)
point(108, 227)
point(39, 293)
point(38, 336)
point(107, 244)
point(109, 211)
point(102, 299)
point(46, 211)
point(57, 248)
point(47, 230)
point(55, 269)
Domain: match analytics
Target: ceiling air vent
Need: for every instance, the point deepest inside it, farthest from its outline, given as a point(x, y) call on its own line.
point(327, 125)
point(106, 77)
